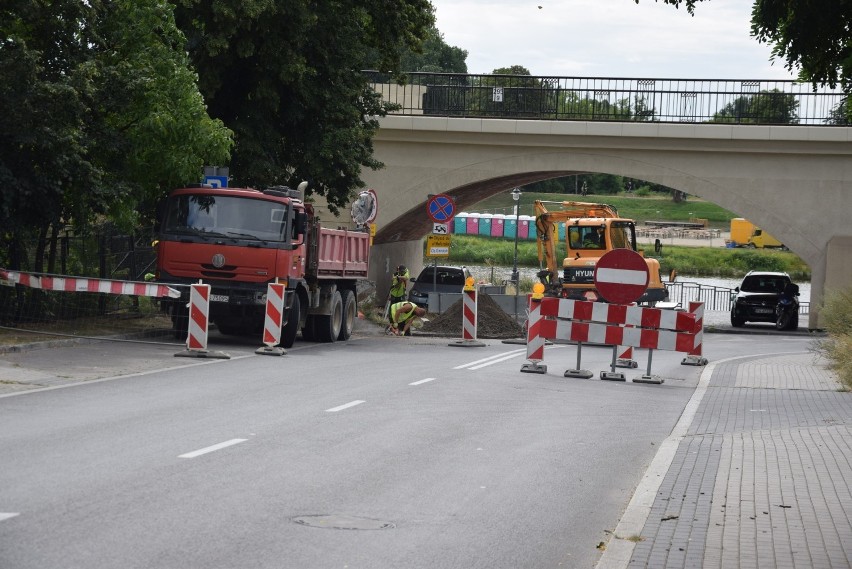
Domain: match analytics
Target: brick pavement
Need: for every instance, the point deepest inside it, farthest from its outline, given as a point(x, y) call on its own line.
point(761, 476)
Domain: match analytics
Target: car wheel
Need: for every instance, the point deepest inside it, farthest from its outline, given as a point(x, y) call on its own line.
point(736, 321)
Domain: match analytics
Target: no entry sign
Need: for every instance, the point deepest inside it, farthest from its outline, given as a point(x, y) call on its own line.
point(621, 276)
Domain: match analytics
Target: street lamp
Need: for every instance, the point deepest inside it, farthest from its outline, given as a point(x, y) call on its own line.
point(516, 197)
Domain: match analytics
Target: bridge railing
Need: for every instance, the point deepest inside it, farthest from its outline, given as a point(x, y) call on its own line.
point(726, 101)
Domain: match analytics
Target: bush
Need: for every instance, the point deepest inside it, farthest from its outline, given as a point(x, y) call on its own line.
point(837, 316)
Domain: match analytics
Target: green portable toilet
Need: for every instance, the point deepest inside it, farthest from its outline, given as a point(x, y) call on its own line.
point(460, 223)
point(485, 224)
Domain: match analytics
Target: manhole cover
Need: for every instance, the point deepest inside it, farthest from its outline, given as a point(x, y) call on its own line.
point(334, 521)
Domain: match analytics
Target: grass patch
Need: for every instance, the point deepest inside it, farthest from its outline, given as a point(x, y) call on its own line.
point(692, 261)
point(837, 347)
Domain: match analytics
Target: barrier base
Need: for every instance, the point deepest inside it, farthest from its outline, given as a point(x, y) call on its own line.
point(467, 344)
point(694, 361)
point(613, 376)
point(623, 362)
point(580, 373)
point(270, 351)
point(534, 368)
point(202, 354)
point(648, 379)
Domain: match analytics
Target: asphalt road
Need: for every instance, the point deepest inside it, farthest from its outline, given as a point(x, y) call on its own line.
point(381, 452)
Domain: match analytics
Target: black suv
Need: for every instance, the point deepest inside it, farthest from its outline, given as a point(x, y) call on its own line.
point(757, 296)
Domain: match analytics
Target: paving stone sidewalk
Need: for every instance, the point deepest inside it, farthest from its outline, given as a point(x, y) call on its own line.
point(762, 477)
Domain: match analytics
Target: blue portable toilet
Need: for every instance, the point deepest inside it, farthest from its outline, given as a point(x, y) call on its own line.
point(485, 224)
point(460, 223)
point(510, 227)
point(473, 224)
point(561, 232)
point(531, 231)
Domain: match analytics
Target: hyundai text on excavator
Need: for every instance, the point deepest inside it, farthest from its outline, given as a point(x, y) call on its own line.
point(591, 230)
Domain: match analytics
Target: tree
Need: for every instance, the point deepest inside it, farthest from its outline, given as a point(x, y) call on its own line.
point(287, 78)
point(435, 56)
point(811, 37)
point(106, 114)
point(766, 107)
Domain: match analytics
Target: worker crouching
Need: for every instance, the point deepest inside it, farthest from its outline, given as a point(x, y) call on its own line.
point(401, 316)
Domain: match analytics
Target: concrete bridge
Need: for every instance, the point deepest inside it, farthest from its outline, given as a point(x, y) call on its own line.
point(795, 182)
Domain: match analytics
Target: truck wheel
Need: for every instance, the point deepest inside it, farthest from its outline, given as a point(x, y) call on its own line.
point(350, 312)
point(288, 334)
point(328, 327)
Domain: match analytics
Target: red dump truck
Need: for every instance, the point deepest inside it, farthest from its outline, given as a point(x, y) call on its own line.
point(238, 240)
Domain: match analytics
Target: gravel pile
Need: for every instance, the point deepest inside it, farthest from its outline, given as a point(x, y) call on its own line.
point(491, 322)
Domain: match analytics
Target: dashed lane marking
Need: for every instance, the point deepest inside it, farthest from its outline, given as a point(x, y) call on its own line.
point(345, 406)
point(422, 381)
point(213, 448)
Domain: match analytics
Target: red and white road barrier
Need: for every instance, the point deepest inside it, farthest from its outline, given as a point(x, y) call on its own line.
point(624, 357)
point(76, 284)
point(199, 313)
point(535, 341)
point(695, 357)
point(274, 320)
point(469, 317)
point(632, 315)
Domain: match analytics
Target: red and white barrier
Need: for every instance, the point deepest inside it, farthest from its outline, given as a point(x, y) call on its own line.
point(535, 341)
point(632, 315)
point(199, 313)
point(274, 320)
point(695, 357)
point(75, 284)
point(469, 317)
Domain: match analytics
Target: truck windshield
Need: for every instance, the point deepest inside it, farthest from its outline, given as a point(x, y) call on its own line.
point(237, 217)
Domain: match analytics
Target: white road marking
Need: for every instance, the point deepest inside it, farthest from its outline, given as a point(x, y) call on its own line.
point(346, 406)
point(7, 515)
point(428, 379)
point(496, 359)
point(213, 448)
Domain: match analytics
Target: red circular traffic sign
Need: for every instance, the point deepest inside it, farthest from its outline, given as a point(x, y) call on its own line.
point(621, 276)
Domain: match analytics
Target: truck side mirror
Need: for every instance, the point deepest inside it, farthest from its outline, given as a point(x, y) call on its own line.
point(301, 223)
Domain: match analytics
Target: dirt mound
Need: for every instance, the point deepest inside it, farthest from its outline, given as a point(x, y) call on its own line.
point(491, 321)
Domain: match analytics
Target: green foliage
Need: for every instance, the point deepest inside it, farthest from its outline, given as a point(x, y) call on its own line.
point(730, 263)
point(771, 106)
point(836, 315)
point(286, 78)
point(435, 56)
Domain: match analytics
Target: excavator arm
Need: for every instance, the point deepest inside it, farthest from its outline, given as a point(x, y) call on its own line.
point(545, 224)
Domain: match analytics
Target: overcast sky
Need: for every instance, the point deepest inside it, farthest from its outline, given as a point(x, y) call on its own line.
point(608, 38)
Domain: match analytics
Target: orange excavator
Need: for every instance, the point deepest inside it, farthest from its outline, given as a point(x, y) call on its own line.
point(591, 230)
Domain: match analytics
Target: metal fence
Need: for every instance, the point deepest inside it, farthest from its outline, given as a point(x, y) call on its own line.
point(731, 101)
point(715, 298)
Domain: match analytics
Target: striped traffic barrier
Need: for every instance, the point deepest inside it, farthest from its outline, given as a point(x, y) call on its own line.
point(273, 321)
point(77, 284)
point(695, 357)
point(535, 341)
point(199, 318)
point(469, 316)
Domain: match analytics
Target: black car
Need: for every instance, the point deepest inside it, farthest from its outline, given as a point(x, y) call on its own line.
point(758, 295)
point(436, 279)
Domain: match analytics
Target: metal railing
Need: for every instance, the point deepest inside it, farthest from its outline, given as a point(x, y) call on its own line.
point(726, 101)
point(715, 298)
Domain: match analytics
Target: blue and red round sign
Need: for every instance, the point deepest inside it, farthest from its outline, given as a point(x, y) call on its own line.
point(441, 208)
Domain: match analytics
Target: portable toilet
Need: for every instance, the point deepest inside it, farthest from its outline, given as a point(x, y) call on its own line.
point(485, 224)
point(460, 223)
point(473, 224)
point(561, 232)
point(497, 225)
point(524, 227)
point(532, 233)
point(510, 226)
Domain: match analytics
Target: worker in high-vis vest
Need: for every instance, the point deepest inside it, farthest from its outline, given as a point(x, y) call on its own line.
point(399, 284)
point(402, 315)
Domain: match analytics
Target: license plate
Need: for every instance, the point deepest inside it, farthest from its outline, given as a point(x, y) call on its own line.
point(218, 298)
point(763, 311)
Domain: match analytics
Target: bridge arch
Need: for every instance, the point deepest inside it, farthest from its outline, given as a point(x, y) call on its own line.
point(795, 182)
